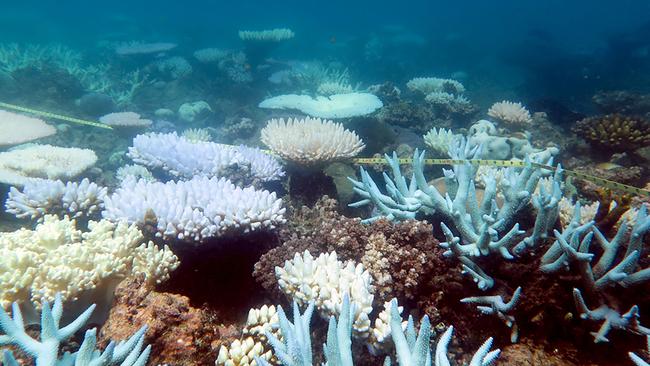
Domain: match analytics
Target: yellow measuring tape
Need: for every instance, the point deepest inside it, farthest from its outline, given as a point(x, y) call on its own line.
point(54, 116)
point(499, 163)
point(601, 182)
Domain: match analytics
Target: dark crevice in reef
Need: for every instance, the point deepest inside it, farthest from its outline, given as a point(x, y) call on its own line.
point(217, 274)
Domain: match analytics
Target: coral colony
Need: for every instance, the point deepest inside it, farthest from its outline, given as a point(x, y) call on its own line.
point(170, 210)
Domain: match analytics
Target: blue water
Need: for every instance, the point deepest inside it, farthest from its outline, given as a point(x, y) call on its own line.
point(543, 48)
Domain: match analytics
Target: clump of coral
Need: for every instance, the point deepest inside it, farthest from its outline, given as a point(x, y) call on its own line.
point(614, 132)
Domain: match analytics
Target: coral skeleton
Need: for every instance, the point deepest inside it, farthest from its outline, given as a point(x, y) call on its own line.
point(413, 349)
point(185, 159)
point(572, 246)
point(295, 347)
point(194, 210)
point(484, 227)
point(310, 141)
point(611, 318)
point(46, 351)
point(40, 197)
point(494, 305)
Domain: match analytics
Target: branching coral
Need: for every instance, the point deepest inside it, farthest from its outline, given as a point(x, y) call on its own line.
point(573, 248)
point(324, 281)
point(185, 159)
point(40, 197)
point(614, 132)
point(46, 351)
point(494, 305)
point(196, 210)
point(58, 258)
point(485, 228)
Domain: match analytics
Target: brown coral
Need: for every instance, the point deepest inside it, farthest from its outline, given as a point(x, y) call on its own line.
point(401, 257)
point(614, 132)
point(179, 333)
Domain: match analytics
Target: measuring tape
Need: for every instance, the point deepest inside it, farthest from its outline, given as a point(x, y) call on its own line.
point(601, 182)
point(605, 183)
point(54, 116)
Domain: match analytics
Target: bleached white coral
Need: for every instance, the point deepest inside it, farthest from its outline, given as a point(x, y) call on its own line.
point(270, 35)
point(184, 159)
point(435, 85)
point(197, 135)
point(325, 280)
point(439, 140)
point(134, 170)
point(44, 161)
point(43, 196)
point(335, 106)
point(243, 353)
point(334, 87)
point(55, 257)
point(510, 113)
point(310, 141)
point(380, 340)
point(125, 119)
point(195, 210)
point(17, 128)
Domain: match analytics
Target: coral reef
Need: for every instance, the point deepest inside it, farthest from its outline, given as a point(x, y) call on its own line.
point(184, 159)
point(194, 210)
point(408, 251)
point(17, 129)
point(310, 141)
point(46, 351)
point(614, 132)
point(57, 258)
point(40, 197)
point(333, 106)
point(44, 161)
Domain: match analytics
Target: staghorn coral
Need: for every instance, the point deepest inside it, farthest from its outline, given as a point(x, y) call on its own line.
point(614, 132)
point(45, 350)
point(484, 227)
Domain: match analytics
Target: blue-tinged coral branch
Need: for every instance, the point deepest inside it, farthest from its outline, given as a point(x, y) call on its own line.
point(483, 228)
point(45, 352)
point(611, 319)
point(494, 305)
